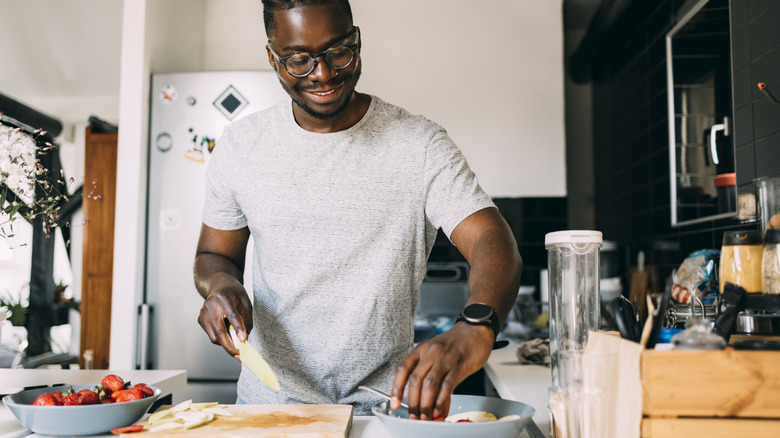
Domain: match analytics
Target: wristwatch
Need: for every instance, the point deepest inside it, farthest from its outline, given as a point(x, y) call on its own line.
point(482, 314)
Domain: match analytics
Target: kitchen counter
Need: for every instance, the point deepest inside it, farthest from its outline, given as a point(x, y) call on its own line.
point(511, 380)
point(15, 379)
point(527, 384)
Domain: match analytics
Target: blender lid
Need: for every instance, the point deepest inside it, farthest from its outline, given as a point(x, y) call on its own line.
point(572, 236)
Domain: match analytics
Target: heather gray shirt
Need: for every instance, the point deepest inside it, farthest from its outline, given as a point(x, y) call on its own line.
point(343, 224)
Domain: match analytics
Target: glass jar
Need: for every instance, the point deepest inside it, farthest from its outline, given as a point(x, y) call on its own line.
point(770, 264)
point(740, 260)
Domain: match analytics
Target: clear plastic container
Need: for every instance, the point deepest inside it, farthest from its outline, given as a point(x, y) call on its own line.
point(740, 260)
point(770, 263)
point(573, 264)
point(768, 200)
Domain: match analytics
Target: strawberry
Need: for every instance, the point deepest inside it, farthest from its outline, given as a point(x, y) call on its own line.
point(148, 392)
point(88, 397)
point(71, 400)
point(112, 383)
point(57, 396)
point(130, 395)
point(116, 394)
point(45, 400)
point(128, 429)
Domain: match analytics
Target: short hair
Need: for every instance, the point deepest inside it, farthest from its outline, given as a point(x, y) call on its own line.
point(271, 6)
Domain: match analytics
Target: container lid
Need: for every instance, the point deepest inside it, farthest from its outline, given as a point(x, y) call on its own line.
point(772, 236)
point(725, 179)
point(572, 236)
point(752, 237)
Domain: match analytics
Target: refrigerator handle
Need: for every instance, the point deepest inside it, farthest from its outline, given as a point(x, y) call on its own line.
point(143, 335)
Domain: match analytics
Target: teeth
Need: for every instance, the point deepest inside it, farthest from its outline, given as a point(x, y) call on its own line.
point(322, 93)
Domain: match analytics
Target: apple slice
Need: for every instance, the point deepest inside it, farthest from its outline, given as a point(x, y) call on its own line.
point(171, 425)
point(199, 406)
point(207, 417)
point(157, 416)
point(183, 406)
point(220, 412)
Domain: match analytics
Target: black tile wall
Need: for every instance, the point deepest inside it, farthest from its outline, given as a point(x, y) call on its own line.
point(530, 220)
point(631, 127)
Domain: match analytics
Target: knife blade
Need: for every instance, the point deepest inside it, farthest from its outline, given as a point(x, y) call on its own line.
point(256, 364)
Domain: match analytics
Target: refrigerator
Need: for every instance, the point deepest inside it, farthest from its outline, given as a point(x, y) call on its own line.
point(188, 113)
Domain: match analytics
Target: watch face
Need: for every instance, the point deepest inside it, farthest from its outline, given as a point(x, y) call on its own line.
point(477, 311)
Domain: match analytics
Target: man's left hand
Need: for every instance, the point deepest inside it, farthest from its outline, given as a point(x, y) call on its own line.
point(435, 368)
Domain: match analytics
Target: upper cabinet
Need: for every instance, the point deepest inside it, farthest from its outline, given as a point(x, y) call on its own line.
point(701, 149)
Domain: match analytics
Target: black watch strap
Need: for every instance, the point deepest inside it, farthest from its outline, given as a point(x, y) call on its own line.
point(483, 314)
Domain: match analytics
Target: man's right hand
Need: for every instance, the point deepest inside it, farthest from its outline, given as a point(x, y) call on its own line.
point(219, 271)
point(226, 304)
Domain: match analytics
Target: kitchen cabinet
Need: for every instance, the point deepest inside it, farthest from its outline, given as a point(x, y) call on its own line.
point(98, 258)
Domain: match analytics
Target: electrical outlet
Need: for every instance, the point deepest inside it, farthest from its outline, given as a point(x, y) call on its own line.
point(170, 219)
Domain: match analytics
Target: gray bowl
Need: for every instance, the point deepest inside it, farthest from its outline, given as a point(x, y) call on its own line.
point(75, 420)
point(399, 425)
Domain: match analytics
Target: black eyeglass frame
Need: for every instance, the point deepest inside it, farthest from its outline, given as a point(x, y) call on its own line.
point(283, 60)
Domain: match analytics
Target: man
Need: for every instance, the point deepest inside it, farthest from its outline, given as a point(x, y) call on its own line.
point(343, 194)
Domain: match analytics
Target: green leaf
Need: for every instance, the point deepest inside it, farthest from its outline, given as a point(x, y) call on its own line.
point(2, 197)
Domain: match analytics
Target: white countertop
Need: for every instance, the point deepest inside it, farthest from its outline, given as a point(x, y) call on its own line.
point(15, 379)
point(527, 384)
point(513, 381)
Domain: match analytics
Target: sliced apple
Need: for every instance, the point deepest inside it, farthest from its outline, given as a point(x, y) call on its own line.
point(510, 417)
point(207, 417)
point(155, 417)
point(200, 406)
point(183, 406)
point(220, 412)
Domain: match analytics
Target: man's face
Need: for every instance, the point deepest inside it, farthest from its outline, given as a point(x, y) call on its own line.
point(325, 92)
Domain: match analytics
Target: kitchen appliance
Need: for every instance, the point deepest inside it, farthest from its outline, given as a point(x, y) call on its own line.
point(443, 294)
point(188, 113)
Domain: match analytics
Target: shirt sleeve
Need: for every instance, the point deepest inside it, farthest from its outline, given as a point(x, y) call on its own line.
point(452, 190)
point(221, 210)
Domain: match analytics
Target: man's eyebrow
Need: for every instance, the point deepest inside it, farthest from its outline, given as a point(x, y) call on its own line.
point(330, 43)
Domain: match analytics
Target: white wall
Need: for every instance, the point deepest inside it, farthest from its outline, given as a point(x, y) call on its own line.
point(439, 58)
point(433, 57)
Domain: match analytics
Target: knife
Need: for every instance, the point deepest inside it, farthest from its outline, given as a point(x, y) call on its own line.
point(256, 364)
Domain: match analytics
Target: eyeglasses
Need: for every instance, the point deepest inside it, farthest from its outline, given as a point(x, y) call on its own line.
point(302, 64)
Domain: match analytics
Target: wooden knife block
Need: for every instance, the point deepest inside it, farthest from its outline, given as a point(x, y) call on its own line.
point(698, 393)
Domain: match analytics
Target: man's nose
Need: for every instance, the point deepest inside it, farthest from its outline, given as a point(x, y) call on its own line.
point(322, 72)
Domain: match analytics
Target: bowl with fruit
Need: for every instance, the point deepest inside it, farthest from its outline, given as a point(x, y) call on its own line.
point(470, 416)
point(73, 410)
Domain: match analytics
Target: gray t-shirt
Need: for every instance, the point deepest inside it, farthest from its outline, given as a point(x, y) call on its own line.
point(343, 224)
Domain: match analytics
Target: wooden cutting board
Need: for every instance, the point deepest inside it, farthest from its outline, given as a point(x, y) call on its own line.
point(271, 421)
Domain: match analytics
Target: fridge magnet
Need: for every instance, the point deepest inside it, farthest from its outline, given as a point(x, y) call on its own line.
point(164, 142)
point(230, 102)
point(168, 94)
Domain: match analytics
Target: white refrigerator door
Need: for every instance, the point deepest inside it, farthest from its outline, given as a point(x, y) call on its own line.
point(188, 113)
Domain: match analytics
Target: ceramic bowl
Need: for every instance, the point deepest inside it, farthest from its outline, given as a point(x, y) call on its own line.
point(399, 425)
point(75, 420)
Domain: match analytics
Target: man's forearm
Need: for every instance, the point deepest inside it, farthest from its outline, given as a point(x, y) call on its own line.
point(210, 267)
point(496, 266)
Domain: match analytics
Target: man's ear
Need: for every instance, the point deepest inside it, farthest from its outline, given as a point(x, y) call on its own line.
point(271, 58)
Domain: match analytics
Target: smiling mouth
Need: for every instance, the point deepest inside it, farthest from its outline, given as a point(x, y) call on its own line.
point(325, 93)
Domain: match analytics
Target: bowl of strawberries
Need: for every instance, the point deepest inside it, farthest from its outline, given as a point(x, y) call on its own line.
point(73, 410)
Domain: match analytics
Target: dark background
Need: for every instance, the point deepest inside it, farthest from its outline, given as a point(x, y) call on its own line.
point(617, 119)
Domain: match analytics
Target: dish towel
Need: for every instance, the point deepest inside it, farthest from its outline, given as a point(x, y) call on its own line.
point(534, 352)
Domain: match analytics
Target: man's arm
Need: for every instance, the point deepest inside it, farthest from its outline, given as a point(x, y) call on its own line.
point(438, 365)
point(219, 272)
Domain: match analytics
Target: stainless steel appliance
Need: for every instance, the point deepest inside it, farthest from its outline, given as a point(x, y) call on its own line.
point(188, 114)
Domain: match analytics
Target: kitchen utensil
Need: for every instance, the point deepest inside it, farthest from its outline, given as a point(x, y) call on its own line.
point(399, 425)
point(758, 322)
point(271, 421)
point(638, 285)
point(256, 364)
point(380, 393)
point(660, 313)
point(625, 317)
point(75, 420)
